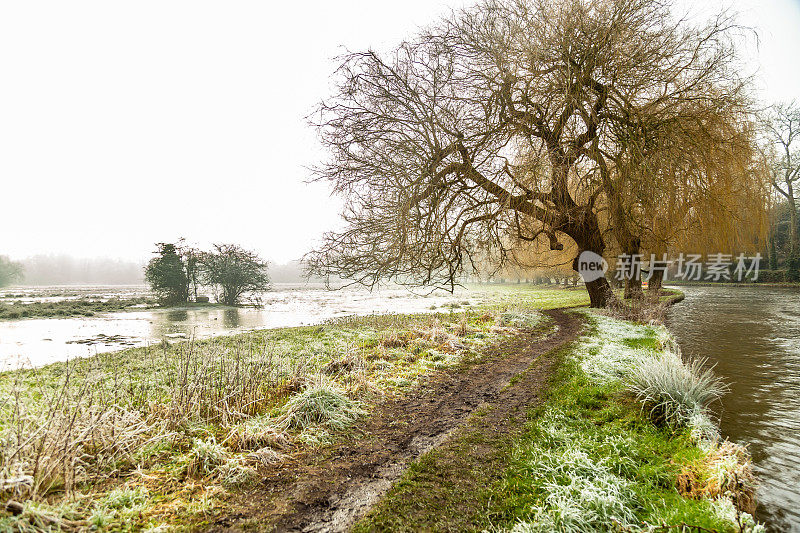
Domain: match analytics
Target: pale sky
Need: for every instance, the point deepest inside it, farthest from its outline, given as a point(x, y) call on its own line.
point(127, 123)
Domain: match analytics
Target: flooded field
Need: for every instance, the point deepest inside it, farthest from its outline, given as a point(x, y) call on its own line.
point(752, 335)
point(35, 342)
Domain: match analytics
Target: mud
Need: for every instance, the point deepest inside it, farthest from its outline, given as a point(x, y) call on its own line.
point(330, 492)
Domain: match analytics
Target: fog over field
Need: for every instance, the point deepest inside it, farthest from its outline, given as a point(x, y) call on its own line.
point(65, 269)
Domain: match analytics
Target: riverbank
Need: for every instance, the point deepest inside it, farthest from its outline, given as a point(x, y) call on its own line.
point(168, 429)
point(219, 432)
point(765, 284)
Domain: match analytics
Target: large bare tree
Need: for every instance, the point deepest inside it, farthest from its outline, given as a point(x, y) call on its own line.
point(484, 131)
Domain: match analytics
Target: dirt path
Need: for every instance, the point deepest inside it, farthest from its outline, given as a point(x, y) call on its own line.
point(331, 492)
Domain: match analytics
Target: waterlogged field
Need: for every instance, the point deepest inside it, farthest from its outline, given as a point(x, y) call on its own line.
point(38, 341)
point(157, 435)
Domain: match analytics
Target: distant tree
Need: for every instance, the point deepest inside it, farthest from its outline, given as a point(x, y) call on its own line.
point(235, 272)
point(10, 272)
point(192, 260)
point(782, 128)
point(166, 274)
point(192, 265)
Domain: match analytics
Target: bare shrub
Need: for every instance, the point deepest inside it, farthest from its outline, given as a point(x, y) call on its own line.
point(642, 310)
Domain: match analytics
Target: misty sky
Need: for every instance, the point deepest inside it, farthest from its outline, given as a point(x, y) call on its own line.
point(127, 123)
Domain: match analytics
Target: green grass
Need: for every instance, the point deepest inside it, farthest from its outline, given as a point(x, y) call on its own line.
point(588, 459)
point(509, 295)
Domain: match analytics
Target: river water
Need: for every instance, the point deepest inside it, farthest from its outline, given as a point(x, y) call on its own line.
point(752, 334)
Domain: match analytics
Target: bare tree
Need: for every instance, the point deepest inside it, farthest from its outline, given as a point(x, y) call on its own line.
point(484, 132)
point(235, 271)
point(782, 127)
point(10, 271)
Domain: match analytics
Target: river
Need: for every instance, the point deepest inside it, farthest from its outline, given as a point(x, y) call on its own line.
point(752, 335)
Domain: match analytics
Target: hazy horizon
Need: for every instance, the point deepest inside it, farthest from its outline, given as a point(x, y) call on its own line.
point(66, 269)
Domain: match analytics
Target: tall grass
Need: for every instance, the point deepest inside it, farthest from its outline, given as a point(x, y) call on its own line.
point(248, 399)
point(71, 424)
point(675, 392)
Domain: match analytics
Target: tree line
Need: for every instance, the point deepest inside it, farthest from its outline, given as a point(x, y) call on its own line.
point(178, 272)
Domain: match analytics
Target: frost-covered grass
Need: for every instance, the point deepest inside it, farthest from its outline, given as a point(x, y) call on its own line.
point(321, 404)
point(589, 458)
point(521, 319)
point(648, 361)
point(580, 492)
point(675, 392)
point(595, 458)
point(189, 421)
point(616, 347)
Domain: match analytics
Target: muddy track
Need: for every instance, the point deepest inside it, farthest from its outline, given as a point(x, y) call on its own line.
point(331, 492)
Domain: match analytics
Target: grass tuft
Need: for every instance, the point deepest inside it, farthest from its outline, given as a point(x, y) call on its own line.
point(205, 457)
point(321, 404)
point(521, 319)
point(675, 393)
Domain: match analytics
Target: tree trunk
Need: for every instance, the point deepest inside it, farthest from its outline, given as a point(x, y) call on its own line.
point(773, 252)
point(633, 286)
point(600, 294)
point(631, 246)
point(655, 283)
point(793, 264)
point(585, 231)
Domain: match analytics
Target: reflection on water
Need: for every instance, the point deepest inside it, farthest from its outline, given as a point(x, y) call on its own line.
point(230, 318)
point(178, 315)
point(753, 336)
point(40, 341)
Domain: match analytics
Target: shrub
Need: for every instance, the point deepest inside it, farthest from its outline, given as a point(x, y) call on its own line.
point(771, 276)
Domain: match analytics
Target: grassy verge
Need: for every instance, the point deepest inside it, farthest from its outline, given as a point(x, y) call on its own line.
point(151, 438)
point(502, 296)
point(68, 308)
point(604, 452)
